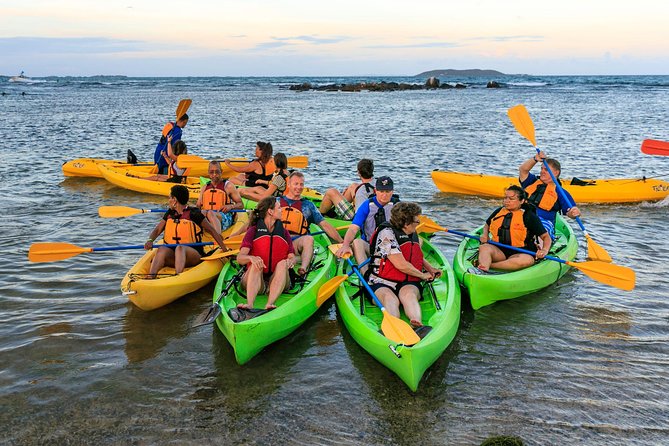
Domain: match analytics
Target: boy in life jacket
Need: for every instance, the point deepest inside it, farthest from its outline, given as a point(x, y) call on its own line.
point(347, 202)
point(182, 224)
point(268, 254)
point(369, 215)
point(398, 265)
point(218, 198)
point(542, 192)
point(514, 224)
point(173, 129)
point(297, 215)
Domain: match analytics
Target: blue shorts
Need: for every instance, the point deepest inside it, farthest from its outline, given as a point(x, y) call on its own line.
point(550, 227)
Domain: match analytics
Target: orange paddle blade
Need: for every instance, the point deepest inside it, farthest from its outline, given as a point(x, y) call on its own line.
point(607, 273)
point(397, 330)
point(234, 242)
point(655, 147)
point(186, 161)
point(522, 122)
point(328, 289)
point(429, 226)
point(299, 162)
point(183, 107)
point(596, 252)
point(118, 211)
point(222, 255)
point(54, 251)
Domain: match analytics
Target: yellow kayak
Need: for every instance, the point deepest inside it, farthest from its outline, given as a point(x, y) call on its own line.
point(583, 191)
point(134, 180)
point(149, 294)
point(88, 167)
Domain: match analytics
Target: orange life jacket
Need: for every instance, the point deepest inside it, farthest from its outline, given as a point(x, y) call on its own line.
point(182, 230)
point(543, 196)
point(293, 218)
point(509, 228)
point(214, 198)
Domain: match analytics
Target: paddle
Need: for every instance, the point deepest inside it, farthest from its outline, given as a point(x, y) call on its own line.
point(212, 313)
point(606, 273)
point(183, 107)
point(523, 123)
point(655, 147)
point(328, 288)
point(126, 211)
point(186, 161)
point(55, 251)
point(392, 327)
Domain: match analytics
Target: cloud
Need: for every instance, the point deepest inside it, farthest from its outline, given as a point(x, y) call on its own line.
point(76, 45)
point(418, 45)
point(510, 38)
point(278, 42)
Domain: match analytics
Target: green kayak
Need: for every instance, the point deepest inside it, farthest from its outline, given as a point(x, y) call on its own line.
point(490, 288)
point(294, 307)
point(363, 321)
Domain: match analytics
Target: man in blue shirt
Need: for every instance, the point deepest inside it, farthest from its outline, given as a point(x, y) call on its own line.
point(543, 193)
point(174, 129)
point(369, 215)
point(297, 215)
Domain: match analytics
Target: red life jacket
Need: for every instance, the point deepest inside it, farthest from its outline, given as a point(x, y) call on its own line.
point(270, 247)
point(214, 198)
point(182, 230)
point(293, 218)
point(509, 228)
point(410, 247)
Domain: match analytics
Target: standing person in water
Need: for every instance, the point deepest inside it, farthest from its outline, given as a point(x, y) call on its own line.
point(173, 130)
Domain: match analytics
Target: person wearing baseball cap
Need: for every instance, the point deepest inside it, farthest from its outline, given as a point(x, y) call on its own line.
point(369, 215)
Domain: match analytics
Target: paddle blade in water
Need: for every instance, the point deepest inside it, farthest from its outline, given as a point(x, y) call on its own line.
point(54, 251)
point(329, 288)
point(522, 122)
point(207, 317)
point(118, 211)
point(655, 147)
point(183, 107)
point(397, 330)
point(607, 273)
point(596, 252)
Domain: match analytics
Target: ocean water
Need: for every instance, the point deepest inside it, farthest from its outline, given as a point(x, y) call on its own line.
point(577, 363)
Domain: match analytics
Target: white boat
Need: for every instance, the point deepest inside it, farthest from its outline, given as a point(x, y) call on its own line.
point(21, 78)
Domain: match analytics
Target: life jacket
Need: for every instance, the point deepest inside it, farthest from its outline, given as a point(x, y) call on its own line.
point(410, 247)
point(293, 218)
point(363, 192)
point(543, 196)
point(214, 198)
point(174, 171)
point(278, 192)
point(271, 247)
point(377, 215)
point(509, 228)
point(252, 177)
point(182, 230)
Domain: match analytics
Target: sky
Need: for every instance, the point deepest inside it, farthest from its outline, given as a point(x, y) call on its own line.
point(340, 38)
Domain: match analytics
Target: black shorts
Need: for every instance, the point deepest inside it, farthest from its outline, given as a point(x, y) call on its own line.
point(199, 249)
point(509, 252)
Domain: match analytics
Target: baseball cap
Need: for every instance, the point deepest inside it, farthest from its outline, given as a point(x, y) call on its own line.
point(384, 184)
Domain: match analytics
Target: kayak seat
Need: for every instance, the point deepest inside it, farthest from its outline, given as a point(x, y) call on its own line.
point(422, 331)
point(242, 314)
point(578, 182)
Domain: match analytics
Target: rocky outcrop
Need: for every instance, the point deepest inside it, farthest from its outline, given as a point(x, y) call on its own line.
point(431, 84)
point(492, 84)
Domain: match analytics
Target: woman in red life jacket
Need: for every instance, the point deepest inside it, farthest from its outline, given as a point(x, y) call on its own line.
point(218, 198)
point(270, 188)
point(267, 251)
point(260, 168)
point(515, 224)
point(181, 224)
point(398, 266)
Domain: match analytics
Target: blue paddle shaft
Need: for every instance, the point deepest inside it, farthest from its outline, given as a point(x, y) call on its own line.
point(171, 245)
point(364, 282)
point(502, 245)
point(165, 210)
point(561, 191)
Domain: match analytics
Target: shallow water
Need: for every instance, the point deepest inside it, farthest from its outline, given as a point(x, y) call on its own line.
point(579, 362)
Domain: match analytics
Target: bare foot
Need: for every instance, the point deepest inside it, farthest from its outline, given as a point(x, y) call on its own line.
point(301, 271)
point(415, 324)
point(269, 307)
point(245, 306)
point(484, 268)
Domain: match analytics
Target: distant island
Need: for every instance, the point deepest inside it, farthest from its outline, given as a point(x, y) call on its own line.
point(474, 72)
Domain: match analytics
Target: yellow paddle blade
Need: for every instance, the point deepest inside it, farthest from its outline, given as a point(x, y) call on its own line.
point(607, 273)
point(183, 107)
point(234, 242)
point(312, 194)
point(186, 161)
point(596, 252)
point(397, 330)
point(54, 251)
point(118, 211)
point(335, 247)
point(429, 226)
point(522, 122)
point(221, 255)
point(300, 162)
point(328, 289)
